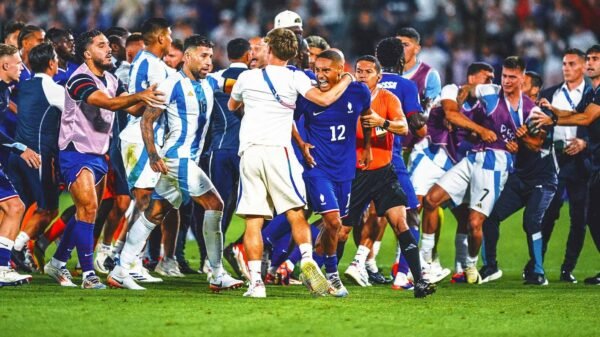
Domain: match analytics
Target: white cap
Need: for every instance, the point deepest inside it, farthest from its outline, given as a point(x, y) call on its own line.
point(288, 19)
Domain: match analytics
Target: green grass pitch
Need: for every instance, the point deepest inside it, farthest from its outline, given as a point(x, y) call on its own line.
point(185, 307)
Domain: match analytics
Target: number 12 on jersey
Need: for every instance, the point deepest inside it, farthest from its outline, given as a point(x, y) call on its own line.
point(338, 132)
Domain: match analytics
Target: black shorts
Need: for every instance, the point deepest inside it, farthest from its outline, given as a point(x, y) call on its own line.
point(380, 186)
point(120, 176)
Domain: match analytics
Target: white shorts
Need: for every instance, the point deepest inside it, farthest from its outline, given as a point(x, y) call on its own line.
point(480, 176)
point(270, 180)
point(137, 166)
point(184, 179)
point(427, 167)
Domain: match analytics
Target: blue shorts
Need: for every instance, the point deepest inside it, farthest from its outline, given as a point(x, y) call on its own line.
point(406, 184)
point(326, 196)
point(7, 190)
point(73, 162)
point(35, 185)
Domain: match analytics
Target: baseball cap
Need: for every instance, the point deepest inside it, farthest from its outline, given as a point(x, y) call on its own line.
point(287, 19)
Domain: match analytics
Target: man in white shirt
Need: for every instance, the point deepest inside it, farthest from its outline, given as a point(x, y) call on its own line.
point(270, 175)
point(570, 145)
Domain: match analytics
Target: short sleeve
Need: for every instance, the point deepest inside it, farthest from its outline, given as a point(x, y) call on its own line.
point(81, 86)
point(394, 107)
point(487, 94)
point(238, 87)
point(410, 103)
point(433, 85)
point(301, 82)
point(449, 92)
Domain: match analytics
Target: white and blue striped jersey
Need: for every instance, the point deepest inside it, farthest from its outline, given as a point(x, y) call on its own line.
point(146, 70)
point(189, 106)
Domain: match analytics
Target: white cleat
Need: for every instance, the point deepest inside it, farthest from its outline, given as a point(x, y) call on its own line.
point(223, 282)
point(120, 278)
point(9, 277)
point(401, 282)
point(472, 275)
point(60, 275)
point(168, 267)
point(358, 274)
point(256, 290)
point(434, 272)
point(142, 275)
point(313, 278)
point(92, 282)
point(337, 288)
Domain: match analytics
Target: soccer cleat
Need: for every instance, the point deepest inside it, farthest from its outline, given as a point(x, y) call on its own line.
point(92, 282)
point(337, 288)
point(472, 275)
point(270, 278)
point(567, 276)
point(101, 257)
point(22, 260)
point(423, 288)
point(377, 278)
point(229, 253)
point(141, 274)
point(489, 273)
point(458, 278)
point(434, 272)
point(536, 279)
point(256, 290)
point(358, 273)
point(283, 274)
point(224, 282)
point(241, 260)
point(184, 267)
point(168, 267)
point(592, 281)
point(60, 275)
point(9, 277)
point(117, 280)
point(313, 278)
point(401, 282)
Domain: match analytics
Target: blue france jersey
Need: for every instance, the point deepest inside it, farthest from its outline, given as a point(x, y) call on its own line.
point(189, 106)
point(332, 130)
point(407, 93)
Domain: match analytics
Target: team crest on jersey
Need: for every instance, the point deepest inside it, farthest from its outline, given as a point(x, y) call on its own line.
point(322, 197)
point(350, 108)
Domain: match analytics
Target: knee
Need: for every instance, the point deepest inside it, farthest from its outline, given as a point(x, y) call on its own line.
point(87, 211)
point(475, 224)
point(14, 207)
point(343, 233)
point(430, 202)
point(333, 226)
point(122, 204)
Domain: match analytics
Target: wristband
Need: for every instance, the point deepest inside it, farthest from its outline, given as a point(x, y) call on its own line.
point(386, 124)
point(554, 119)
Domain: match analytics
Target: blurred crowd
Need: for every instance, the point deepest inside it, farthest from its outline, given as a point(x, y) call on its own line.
point(455, 32)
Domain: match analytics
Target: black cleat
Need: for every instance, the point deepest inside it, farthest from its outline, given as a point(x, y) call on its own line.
point(229, 255)
point(22, 261)
point(566, 276)
point(377, 278)
point(423, 288)
point(593, 281)
point(489, 273)
point(536, 279)
point(109, 263)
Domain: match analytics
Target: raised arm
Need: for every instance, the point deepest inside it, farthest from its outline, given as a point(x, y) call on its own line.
point(454, 116)
point(329, 97)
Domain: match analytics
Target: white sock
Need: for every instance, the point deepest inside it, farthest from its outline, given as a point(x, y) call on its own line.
point(213, 238)
point(398, 252)
point(376, 248)
point(371, 265)
point(57, 263)
point(105, 247)
point(6, 243)
point(290, 265)
point(306, 249)
point(85, 274)
point(361, 255)
point(136, 239)
point(254, 267)
point(461, 245)
point(472, 261)
point(427, 244)
point(329, 275)
point(118, 246)
point(21, 241)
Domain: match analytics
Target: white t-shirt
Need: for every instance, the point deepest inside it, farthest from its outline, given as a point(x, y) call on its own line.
point(266, 121)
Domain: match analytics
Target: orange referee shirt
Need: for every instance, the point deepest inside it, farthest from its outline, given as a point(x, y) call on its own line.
point(388, 106)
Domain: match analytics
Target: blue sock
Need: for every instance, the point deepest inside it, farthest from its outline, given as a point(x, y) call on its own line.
point(319, 259)
point(67, 242)
point(280, 250)
point(295, 255)
point(331, 263)
point(84, 240)
point(4, 257)
point(536, 240)
point(276, 229)
point(314, 230)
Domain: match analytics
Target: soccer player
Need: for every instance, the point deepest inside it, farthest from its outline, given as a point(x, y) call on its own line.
point(532, 85)
point(174, 58)
point(329, 150)
point(29, 37)
point(316, 45)
point(483, 173)
point(570, 143)
point(93, 94)
point(11, 206)
point(589, 115)
point(11, 32)
point(259, 52)
point(270, 173)
point(64, 45)
point(41, 103)
point(378, 182)
point(426, 78)
point(189, 105)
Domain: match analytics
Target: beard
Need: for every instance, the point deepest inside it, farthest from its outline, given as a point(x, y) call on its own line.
point(101, 65)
